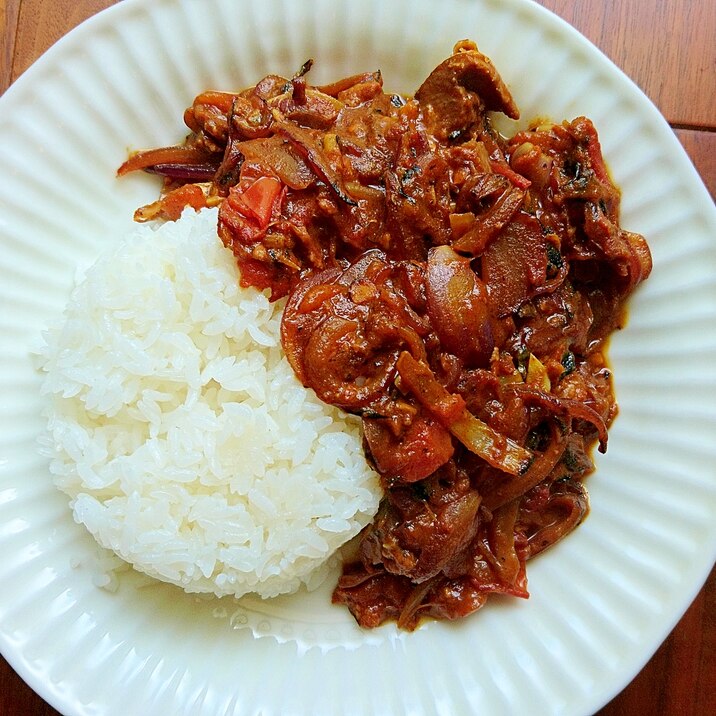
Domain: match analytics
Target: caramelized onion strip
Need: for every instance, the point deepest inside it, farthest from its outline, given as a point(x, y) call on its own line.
point(165, 156)
point(538, 471)
point(565, 407)
point(478, 437)
point(567, 505)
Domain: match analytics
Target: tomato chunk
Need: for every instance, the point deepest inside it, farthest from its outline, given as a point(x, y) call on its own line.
point(258, 200)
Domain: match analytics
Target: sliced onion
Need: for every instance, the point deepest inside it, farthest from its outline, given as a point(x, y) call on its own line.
point(165, 155)
point(477, 436)
point(458, 307)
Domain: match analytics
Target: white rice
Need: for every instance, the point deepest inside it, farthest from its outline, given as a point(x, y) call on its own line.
point(180, 432)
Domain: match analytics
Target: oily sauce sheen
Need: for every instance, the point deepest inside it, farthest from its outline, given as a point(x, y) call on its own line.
point(454, 288)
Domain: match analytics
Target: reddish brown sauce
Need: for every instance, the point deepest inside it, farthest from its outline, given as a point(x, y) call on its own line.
point(453, 287)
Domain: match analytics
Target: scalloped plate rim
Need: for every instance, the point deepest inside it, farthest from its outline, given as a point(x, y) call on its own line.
point(50, 691)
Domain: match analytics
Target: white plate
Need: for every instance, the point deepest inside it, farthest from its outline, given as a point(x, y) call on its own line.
point(601, 601)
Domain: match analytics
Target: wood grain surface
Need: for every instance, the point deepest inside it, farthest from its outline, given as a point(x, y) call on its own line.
point(667, 47)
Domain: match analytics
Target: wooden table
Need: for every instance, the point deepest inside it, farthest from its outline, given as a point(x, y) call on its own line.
point(667, 47)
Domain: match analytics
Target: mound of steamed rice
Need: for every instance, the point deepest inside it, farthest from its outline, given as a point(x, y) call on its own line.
point(180, 432)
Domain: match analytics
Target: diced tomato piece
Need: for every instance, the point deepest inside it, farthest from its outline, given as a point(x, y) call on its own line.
point(178, 199)
point(425, 446)
point(258, 200)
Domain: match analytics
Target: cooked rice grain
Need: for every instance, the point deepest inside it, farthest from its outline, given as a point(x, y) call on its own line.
point(180, 432)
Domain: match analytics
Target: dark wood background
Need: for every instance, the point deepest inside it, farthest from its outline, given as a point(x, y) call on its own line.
point(668, 47)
